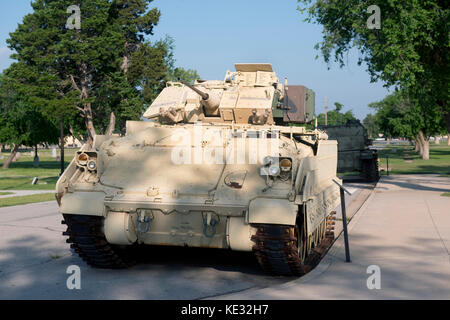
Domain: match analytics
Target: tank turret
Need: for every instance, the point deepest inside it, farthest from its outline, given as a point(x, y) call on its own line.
point(250, 95)
point(210, 101)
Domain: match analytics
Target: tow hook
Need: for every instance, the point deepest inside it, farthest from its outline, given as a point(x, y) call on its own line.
point(143, 224)
point(209, 221)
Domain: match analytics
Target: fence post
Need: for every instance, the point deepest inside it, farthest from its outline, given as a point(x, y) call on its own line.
point(387, 164)
point(344, 220)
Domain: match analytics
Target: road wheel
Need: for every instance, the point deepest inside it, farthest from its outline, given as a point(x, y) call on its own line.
point(302, 246)
point(276, 249)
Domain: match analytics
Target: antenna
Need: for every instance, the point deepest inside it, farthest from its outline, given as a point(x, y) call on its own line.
point(286, 102)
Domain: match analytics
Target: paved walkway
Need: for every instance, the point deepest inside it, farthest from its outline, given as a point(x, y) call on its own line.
point(404, 229)
point(34, 257)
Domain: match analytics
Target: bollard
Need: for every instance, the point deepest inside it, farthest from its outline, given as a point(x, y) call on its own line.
point(344, 220)
point(387, 164)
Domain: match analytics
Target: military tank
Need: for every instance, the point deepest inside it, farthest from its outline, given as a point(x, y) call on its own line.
point(354, 153)
point(216, 164)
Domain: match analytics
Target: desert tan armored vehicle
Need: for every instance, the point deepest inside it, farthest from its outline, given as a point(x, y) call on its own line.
point(210, 168)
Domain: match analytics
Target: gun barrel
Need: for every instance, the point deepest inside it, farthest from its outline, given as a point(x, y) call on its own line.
point(204, 95)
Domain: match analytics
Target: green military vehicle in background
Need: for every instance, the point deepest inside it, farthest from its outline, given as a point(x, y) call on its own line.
point(354, 153)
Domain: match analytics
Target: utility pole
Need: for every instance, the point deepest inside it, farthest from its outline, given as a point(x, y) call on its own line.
point(326, 117)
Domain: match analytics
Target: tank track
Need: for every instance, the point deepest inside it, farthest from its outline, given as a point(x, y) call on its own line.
point(276, 249)
point(86, 238)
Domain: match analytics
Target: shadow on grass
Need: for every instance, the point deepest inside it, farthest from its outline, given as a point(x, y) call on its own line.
point(444, 152)
point(42, 165)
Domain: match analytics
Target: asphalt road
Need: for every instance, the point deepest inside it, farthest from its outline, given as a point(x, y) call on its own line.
point(34, 259)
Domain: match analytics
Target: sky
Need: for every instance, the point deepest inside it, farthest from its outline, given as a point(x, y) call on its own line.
point(211, 36)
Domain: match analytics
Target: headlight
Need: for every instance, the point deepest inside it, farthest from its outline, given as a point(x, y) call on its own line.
point(82, 159)
point(285, 165)
point(92, 165)
point(274, 170)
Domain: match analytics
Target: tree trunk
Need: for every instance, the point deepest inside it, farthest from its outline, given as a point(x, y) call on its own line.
point(446, 116)
point(87, 105)
point(112, 124)
point(424, 146)
point(437, 140)
point(36, 157)
point(448, 139)
point(11, 157)
point(61, 142)
point(389, 140)
point(416, 145)
point(89, 122)
point(125, 63)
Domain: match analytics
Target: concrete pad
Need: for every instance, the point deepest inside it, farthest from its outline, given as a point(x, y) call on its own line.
point(402, 228)
point(34, 258)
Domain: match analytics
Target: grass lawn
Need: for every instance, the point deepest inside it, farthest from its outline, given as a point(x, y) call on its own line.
point(15, 201)
point(22, 172)
point(5, 193)
point(404, 160)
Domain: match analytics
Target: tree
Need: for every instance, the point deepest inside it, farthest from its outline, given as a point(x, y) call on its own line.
point(85, 70)
point(150, 67)
point(398, 115)
point(336, 117)
point(22, 121)
point(96, 77)
point(187, 75)
point(410, 51)
point(371, 126)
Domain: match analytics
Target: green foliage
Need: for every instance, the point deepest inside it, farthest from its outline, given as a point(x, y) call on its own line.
point(149, 68)
point(437, 164)
point(399, 116)
point(336, 117)
point(22, 122)
point(410, 51)
point(84, 72)
point(371, 126)
point(188, 75)
point(86, 75)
